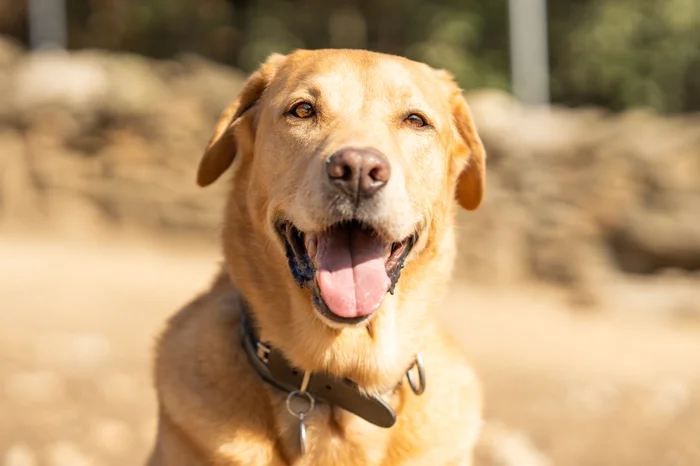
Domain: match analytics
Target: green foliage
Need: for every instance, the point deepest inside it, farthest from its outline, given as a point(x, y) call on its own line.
point(461, 40)
point(614, 53)
point(632, 52)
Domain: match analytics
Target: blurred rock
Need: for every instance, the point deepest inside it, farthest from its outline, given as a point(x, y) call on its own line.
point(670, 398)
point(78, 354)
point(503, 446)
point(10, 52)
point(19, 199)
point(117, 387)
point(20, 455)
point(112, 436)
point(58, 78)
point(66, 454)
point(594, 398)
point(585, 199)
point(32, 388)
point(592, 201)
point(148, 430)
point(213, 85)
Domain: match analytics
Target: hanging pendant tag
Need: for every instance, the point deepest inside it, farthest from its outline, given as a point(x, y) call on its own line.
point(418, 386)
point(302, 435)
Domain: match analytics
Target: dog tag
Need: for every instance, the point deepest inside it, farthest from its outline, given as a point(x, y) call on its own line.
point(302, 435)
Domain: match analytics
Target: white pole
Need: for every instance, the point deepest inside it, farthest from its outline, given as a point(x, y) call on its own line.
point(529, 56)
point(47, 24)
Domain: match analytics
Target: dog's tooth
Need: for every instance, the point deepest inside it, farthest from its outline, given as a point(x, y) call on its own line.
point(311, 241)
point(308, 238)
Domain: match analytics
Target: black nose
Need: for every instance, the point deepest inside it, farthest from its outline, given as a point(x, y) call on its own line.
point(358, 172)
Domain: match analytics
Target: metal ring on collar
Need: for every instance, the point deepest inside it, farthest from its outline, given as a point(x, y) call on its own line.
point(300, 394)
point(418, 363)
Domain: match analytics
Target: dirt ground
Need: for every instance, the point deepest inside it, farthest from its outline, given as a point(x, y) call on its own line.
point(563, 387)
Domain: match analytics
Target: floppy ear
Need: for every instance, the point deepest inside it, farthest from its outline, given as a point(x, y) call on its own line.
point(221, 150)
point(472, 179)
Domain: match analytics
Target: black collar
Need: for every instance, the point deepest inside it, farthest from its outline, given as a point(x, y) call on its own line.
point(274, 369)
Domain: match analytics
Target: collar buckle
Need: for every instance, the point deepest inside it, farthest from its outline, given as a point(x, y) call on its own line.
point(263, 352)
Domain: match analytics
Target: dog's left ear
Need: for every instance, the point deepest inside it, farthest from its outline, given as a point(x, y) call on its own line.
point(471, 183)
point(221, 150)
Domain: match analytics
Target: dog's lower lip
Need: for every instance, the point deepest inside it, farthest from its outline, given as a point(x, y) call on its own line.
point(397, 250)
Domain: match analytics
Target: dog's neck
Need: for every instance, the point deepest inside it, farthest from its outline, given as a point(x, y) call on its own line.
point(375, 355)
point(274, 369)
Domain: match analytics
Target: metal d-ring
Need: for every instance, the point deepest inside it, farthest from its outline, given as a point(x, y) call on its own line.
point(303, 413)
point(418, 363)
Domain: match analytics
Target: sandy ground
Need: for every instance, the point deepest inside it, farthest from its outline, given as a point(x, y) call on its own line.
point(562, 387)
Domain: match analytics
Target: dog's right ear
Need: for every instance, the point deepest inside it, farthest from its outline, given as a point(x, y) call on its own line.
point(221, 150)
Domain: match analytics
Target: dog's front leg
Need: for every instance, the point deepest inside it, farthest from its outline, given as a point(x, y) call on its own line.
point(173, 448)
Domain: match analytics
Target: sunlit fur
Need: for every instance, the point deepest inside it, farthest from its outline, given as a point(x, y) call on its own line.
point(214, 409)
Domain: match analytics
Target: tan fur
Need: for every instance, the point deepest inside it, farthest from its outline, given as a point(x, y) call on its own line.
point(213, 408)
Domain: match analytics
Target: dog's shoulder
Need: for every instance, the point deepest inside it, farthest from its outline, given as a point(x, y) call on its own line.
point(198, 345)
point(200, 349)
point(452, 399)
point(206, 325)
point(206, 388)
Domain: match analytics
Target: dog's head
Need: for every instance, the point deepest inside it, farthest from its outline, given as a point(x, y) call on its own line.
point(347, 165)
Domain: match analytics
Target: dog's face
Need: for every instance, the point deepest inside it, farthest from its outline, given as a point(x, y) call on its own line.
point(348, 162)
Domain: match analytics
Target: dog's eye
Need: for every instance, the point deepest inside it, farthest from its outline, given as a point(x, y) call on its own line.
point(302, 110)
point(415, 120)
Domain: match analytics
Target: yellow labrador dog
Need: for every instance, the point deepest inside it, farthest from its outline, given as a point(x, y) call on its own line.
point(316, 344)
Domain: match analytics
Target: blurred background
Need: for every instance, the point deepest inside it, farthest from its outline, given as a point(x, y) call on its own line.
point(577, 292)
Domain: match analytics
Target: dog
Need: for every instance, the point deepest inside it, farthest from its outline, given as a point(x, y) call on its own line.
point(316, 343)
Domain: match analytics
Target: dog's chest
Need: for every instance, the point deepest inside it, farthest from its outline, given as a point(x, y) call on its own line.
point(333, 436)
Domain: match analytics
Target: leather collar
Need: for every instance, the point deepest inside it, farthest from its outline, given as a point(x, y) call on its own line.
point(274, 369)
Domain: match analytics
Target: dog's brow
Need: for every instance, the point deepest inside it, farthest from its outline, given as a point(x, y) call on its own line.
point(411, 100)
point(307, 88)
point(410, 97)
point(302, 91)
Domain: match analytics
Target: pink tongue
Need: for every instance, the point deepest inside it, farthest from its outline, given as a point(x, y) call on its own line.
point(351, 272)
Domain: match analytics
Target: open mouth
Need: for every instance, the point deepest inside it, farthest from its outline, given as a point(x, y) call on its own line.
point(348, 267)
